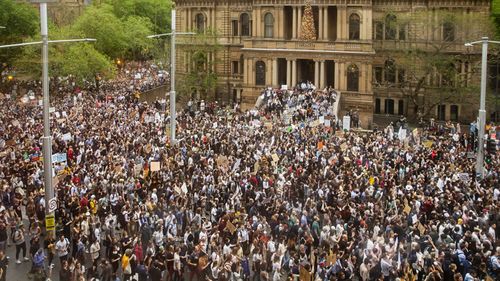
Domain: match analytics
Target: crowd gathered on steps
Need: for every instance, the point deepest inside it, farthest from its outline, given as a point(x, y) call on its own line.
point(241, 195)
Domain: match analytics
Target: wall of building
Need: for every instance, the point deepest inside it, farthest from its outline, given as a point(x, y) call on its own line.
point(268, 61)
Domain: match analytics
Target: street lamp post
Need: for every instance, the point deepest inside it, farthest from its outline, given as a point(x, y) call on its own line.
point(482, 104)
point(172, 73)
point(47, 137)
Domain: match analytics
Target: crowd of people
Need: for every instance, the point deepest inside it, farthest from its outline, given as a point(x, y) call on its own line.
point(278, 193)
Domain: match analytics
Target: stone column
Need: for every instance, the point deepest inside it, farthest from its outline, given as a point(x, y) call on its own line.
point(336, 78)
point(214, 19)
point(341, 22)
point(246, 77)
point(369, 78)
point(288, 72)
point(294, 72)
point(320, 25)
point(269, 72)
point(259, 23)
point(362, 84)
point(294, 23)
point(275, 72)
point(299, 20)
point(316, 74)
point(254, 23)
point(382, 106)
point(396, 107)
point(209, 19)
point(322, 74)
point(325, 23)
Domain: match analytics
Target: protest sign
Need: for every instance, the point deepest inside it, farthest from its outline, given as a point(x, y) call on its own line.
point(155, 166)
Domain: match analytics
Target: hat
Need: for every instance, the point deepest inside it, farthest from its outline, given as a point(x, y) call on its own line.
point(460, 221)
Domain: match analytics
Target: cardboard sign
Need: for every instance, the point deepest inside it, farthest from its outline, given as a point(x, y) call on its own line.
point(407, 209)
point(428, 144)
point(230, 227)
point(304, 274)
point(155, 166)
point(421, 228)
point(275, 157)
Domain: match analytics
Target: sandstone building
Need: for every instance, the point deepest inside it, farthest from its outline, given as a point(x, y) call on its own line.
point(356, 51)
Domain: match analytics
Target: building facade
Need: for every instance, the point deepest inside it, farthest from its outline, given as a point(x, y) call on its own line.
point(356, 43)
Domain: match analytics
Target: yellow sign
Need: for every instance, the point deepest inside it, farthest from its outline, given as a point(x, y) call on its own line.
point(50, 222)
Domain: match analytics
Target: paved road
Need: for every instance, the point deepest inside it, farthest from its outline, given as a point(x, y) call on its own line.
point(19, 272)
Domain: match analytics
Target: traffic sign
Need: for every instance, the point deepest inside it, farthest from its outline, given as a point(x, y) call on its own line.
point(52, 205)
point(50, 222)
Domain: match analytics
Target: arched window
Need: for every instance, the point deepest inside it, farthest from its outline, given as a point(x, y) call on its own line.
point(268, 25)
point(390, 71)
point(260, 73)
point(353, 78)
point(200, 22)
point(354, 23)
point(448, 31)
point(390, 27)
point(245, 24)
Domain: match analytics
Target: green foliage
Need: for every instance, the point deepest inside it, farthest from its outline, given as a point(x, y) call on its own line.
point(495, 15)
point(138, 28)
point(83, 62)
point(80, 60)
point(21, 21)
point(100, 23)
point(201, 79)
point(157, 11)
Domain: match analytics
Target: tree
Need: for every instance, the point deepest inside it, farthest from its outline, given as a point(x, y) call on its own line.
point(157, 11)
point(21, 22)
point(201, 79)
point(100, 23)
point(434, 49)
point(138, 28)
point(308, 30)
point(83, 62)
point(80, 60)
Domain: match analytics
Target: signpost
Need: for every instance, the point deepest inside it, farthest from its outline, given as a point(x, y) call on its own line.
point(50, 222)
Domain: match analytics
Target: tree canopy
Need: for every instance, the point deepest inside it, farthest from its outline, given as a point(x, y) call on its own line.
point(20, 21)
point(121, 28)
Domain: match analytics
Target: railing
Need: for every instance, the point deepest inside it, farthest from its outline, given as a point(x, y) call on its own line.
point(348, 46)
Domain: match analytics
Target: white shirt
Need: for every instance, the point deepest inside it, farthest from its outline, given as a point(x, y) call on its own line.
point(62, 247)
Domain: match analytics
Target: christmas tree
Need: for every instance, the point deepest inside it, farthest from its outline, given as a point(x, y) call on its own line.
point(308, 30)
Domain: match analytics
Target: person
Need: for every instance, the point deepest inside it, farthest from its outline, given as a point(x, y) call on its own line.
point(260, 192)
point(62, 248)
point(20, 240)
point(4, 262)
point(127, 259)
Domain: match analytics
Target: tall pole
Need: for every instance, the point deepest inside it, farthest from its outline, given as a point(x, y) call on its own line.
point(47, 138)
point(482, 110)
point(172, 82)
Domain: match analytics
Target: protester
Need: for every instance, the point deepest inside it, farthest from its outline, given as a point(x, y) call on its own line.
point(274, 193)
